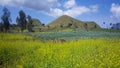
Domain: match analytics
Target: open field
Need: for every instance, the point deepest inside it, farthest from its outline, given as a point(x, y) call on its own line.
point(20, 51)
point(76, 34)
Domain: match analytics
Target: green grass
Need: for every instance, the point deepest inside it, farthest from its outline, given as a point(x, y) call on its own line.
point(20, 51)
point(77, 34)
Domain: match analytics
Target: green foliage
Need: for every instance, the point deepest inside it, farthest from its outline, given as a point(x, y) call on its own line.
point(77, 34)
point(69, 22)
point(6, 19)
point(19, 51)
point(30, 24)
point(21, 20)
point(36, 22)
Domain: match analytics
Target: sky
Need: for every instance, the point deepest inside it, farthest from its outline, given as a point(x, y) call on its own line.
point(100, 11)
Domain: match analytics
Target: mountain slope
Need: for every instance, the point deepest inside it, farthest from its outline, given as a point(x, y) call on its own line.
point(69, 22)
point(36, 23)
point(66, 21)
point(91, 25)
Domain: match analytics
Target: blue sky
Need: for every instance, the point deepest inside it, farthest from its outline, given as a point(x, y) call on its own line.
point(48, 10)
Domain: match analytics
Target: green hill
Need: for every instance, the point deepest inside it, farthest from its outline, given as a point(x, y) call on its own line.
point(91, 25)
point(69, 22)
point(37, 25)
point(65, 22)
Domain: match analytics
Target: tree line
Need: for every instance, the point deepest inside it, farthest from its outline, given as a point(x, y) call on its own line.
point(23, 21)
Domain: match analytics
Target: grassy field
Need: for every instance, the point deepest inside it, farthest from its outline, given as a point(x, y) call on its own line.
point(20, 51)
point(76, 34)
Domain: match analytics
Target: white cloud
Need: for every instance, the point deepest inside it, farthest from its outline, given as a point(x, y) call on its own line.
point(39, 5)
point(12, 2)
point(72, 9)
point(70, 4)
point(52, 7)
point(73, 12)
point(76, 11)
point(55, 12)
point(115, 9)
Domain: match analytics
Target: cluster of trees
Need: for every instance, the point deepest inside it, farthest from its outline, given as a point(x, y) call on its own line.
point(112, 26)
point(23, 21)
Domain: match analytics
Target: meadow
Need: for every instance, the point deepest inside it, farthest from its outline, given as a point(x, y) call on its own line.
point(76, 34)
point(22, 51)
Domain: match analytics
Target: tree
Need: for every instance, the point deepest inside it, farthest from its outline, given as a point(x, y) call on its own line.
point(61, 26)
point(95, 26)
point(1, 26)
point(104, 25)
point(21, 20)
point(103, 22)
point(43, 25)
point(30, 23)
point(18, 21)
point(69, 24)
point(110, 24)
point(112, 27)
point(85, 25)
point(117, 25)
point(6, 19)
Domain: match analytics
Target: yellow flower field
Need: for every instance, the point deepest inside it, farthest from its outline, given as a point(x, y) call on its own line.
point(20, 51)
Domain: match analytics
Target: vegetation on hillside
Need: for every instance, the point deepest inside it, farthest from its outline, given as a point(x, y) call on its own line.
point(65, 21)
point(77, 34)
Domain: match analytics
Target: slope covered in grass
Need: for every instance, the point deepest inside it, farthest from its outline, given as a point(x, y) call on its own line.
point(65, 21)
point(19, 51)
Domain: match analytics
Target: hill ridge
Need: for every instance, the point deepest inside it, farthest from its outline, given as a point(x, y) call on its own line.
point(66, 21)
